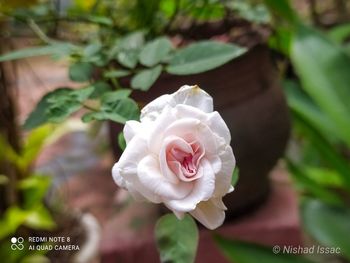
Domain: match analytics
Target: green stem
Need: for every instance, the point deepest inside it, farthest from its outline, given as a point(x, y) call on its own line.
point(37, 30)
point(89, 107)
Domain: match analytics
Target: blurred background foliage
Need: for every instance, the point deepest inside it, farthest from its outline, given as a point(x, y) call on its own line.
point(312, 49)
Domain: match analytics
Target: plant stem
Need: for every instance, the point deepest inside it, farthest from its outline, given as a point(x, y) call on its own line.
point(36, 29)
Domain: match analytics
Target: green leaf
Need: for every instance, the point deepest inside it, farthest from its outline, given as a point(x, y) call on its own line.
point(55, 49)
point(57, 106)
point(283, 9)
point(66, 102)
point(33, 145)
point(244, 252)
point(121, 141)
point(340, 33)
point(112, 96)
point(177, 240)
point(128, 48)
point(308, 184)
point(155, 51)
point(13, 218)
point(133, 40)
point(40, 218)
point(329, 153)
point(128, 58)
point(329, 225)
point(146, 78)
point(202, 56)
point(323, 70)
point(34, 189)
point(80, 72)
point(92, 49)
point(257, 13)
point(119, 111)
point(235, 177)
point(100, 88)
point(39, 116)
point(300, 103)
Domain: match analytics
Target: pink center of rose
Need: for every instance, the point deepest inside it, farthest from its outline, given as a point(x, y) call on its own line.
point(183, 159)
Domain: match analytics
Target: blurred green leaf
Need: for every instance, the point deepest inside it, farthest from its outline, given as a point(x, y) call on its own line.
point(66, 102)
point(155, 51)
point(100, 87)
point(128, 58)
point(34, 189)
point(120, 110)
point(299, 102)
point(202, 56)
point(39, 218)
point(121, 141)
point(33, 145)
point(324, 176)
point(283, 9)
point(128, 48)
point(330, 154)
point(244, 252)
point(92, 49)
point(80, 71)
point(329, 225)
point(257, 13)
point(323, 70)
point(131, 41)
point(57, 105)
point(308, 184)
point(38, 116)
point(11, 220)
point(340, 33)
point(54, 49)
point(281, 40)
point(112, 96)
point(146, 78)
point(177, 240)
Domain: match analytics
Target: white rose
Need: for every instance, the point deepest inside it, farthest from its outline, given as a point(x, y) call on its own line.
point(179, 154)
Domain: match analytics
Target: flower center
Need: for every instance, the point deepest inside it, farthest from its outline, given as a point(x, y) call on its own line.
point(184, 159)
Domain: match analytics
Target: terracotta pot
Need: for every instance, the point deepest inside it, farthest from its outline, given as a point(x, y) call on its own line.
point(248, 95)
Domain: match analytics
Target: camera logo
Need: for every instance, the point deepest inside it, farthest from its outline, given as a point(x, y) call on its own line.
point(17, 243)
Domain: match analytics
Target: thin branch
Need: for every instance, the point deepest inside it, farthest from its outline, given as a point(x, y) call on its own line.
point(37, 30)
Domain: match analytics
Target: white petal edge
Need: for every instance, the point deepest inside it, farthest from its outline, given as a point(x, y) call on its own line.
point(208, 214)
point(224, 176)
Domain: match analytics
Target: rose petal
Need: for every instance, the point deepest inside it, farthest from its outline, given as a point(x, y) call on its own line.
point(131, 128)
point(164, 166)
point(193, 96)
point(209, 214)
point(188, 95)
point(218, 126)
point(192, 129)
point(202, 190)
point(153, 109)
point(155, 137)
point(150, 176)
point(124, 172)
point(224, 177)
